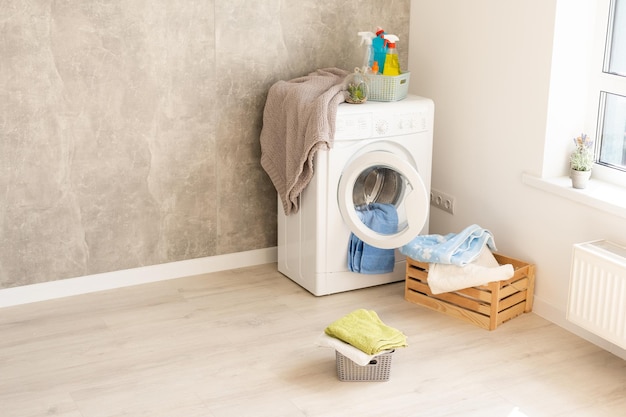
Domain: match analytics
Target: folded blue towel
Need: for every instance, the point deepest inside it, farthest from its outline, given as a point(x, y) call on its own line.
point(454, 249)
point(367, 259)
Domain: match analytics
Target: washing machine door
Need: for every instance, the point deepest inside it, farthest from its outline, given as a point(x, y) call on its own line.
point(383, 178)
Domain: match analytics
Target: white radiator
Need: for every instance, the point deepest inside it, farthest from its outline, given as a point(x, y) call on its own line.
point(597, 296)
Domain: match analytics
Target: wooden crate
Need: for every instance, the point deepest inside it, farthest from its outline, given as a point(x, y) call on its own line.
point(486, 306)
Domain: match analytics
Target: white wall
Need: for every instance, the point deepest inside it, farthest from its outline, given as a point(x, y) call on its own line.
point(487, 64)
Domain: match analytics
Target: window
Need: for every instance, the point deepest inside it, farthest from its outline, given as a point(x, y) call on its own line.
point(611, 123)
point(576, 82)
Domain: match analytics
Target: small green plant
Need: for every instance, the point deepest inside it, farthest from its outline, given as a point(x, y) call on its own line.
point(582, 158)
point(357, 92)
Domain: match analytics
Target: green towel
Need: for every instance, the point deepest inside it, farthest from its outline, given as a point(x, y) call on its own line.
point(364, 330)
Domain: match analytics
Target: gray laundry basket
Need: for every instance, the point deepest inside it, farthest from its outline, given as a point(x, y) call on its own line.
point(377, 370)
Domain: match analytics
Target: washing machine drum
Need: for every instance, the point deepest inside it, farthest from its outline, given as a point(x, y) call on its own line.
point(382, 180)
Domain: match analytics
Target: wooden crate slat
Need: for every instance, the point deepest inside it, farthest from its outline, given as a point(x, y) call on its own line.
point(510, 313)
point(530, 292)
point(452, 298)
point(517, 286)
point(448, 309)
point(517, 264)
point(418, 286)
point(418, 277)
point(480, 293)
point(512, 300)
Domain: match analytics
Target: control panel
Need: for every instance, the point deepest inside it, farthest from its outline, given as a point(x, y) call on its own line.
point(369, 125)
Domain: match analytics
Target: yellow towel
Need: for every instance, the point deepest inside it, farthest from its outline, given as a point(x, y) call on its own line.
point(364, 330)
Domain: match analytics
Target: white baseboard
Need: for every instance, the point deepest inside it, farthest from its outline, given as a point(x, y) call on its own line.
point(128, 277)
point(556, 316)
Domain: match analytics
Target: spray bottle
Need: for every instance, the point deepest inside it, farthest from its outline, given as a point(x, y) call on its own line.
point(368, 57)
point(392, 64)
point(379, 48)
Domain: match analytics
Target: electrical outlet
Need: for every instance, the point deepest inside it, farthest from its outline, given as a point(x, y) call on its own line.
point(442, 201)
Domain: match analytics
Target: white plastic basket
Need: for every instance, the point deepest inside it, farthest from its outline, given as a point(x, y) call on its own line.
point(388, 88)
point(377, 370)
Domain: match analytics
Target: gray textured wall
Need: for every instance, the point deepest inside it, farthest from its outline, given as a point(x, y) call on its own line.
point(130, 128)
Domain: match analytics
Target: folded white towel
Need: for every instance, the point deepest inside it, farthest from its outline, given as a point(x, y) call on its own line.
point(355, 355)
point(485, 269)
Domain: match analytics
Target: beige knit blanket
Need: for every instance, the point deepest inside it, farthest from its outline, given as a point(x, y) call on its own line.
point(298, 120)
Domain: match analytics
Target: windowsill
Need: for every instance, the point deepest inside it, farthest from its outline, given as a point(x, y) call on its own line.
point(598, 194)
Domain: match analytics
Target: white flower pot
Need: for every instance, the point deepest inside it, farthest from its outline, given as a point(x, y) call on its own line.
point(579, 178)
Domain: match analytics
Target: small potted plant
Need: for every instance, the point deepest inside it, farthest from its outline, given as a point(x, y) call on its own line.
point(357, 93)
point(357, 89)
point(581, 161)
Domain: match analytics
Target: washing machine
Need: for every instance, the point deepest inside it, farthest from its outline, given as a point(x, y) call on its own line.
point(382, 153)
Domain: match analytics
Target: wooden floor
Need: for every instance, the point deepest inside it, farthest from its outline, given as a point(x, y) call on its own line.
point(242, 343)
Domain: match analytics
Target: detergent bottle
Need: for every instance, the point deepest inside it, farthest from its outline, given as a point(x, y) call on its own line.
point(392, 64)
point(368, 56)
point(379, 48)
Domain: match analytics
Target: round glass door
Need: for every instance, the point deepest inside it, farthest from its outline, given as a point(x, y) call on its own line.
point(383, 182)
